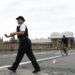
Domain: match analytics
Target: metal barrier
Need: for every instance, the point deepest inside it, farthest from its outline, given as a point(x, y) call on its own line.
point(35, 46)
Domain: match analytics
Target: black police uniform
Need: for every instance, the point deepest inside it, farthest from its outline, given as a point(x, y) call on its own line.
point(25, 46)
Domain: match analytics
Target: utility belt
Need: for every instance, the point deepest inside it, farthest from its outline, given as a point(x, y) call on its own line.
point(24, 39)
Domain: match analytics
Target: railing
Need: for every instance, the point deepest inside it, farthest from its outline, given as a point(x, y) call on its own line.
point(35, 46)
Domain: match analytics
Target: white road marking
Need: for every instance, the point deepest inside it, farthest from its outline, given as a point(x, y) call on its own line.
point(43, 59)
point(28, 62)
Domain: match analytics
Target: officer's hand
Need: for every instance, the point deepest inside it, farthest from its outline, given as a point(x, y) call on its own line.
point(6, 35)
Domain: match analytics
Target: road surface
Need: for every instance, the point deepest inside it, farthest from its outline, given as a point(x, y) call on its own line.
point(49, 66)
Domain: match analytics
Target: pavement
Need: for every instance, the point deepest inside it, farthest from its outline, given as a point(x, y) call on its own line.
point(50, 65)
point(21, 72)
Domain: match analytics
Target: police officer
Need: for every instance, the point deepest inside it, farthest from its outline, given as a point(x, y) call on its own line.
point(25, 46)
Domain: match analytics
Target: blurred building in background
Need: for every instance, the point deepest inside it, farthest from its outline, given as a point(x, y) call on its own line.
point(57, 37)
point(41, 44)
point(51, 43)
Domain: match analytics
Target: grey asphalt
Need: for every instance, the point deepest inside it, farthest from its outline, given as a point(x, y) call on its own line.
point(8, 59)
point(63, 66)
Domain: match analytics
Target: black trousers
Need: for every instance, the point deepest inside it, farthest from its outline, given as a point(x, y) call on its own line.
point(25, 48)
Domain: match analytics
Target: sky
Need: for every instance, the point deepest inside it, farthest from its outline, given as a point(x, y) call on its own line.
point(42, 16)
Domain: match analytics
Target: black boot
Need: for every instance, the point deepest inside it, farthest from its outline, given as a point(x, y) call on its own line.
point(11, 69)
point(36, 71)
